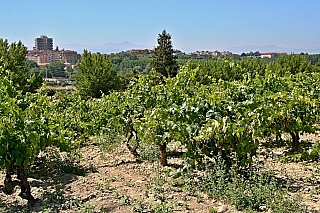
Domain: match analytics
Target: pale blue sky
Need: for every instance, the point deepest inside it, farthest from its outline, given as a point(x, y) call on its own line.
point(193, 24)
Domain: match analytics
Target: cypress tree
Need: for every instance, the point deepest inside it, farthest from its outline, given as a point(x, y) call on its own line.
point(164, 62)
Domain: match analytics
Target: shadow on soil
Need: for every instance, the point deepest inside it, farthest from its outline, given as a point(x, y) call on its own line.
point(294, 185)
point(280, 142)
point(52, 176)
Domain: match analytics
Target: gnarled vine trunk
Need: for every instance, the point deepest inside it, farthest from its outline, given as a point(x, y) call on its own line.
point(9, 184)
point(133, 149)
point(163, 154)
point(295, 140)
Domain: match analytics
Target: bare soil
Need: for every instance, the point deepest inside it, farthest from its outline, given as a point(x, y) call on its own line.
point(116, 182)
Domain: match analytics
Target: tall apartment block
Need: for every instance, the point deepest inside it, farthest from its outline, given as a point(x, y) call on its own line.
point(43, 43)
point(44, 54)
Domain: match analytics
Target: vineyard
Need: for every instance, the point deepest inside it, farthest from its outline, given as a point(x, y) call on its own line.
point(218, 137)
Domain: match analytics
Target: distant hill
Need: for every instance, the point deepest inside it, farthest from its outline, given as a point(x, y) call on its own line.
point(271, 48)
point(104, 48)
point(126, 45)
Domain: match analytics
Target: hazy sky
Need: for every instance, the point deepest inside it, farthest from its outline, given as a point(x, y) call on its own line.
point(193, 24)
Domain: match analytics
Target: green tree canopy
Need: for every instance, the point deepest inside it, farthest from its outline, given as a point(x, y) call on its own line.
point(31, 64)
point(164, 62)
point(14, 66)
point(290, 64)
point(95, 76)
point(55, 69)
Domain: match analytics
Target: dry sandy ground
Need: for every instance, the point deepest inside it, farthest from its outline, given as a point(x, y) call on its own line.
point(115, 182)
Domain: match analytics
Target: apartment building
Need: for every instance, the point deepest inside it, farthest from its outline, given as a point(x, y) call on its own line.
point(43, 43)
point(43, 57)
